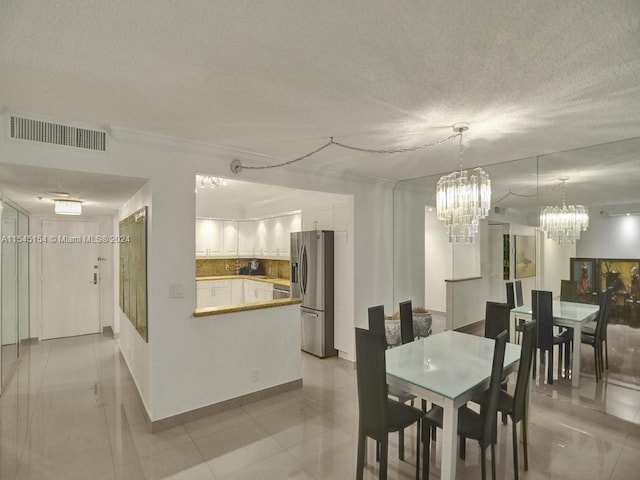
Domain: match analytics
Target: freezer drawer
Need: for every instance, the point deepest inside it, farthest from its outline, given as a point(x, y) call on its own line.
point(312, 331)
point(317, 336)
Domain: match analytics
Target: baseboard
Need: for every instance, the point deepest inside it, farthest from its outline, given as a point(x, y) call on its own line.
point(181, 418)
point(29, 341)
point(107, 331)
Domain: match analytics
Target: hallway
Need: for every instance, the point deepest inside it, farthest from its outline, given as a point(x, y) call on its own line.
point(72, 412)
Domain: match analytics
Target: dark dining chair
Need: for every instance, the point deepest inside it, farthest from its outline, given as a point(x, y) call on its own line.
point(568, 291)
point(378, 415)
point(597, 339)
point(376, 325)
point(496, 319)
point(515, 406)
point(406, 322)
point(590, 328)
point(514, 299)
point(542, 312)
point(519, 297)
point(477, 426)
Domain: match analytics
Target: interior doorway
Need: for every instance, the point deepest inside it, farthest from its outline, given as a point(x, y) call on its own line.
point(70, 278)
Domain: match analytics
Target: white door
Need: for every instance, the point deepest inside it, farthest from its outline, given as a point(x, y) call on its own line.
point(70, 279)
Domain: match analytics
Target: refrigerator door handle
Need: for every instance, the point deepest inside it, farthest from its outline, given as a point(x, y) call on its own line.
point(303, 269)
point(311, 314)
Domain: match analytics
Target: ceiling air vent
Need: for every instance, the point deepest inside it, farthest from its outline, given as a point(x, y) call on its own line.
point(46, 132)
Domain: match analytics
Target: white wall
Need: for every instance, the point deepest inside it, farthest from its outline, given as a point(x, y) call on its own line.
point(610, 237)
point(555, 265)
point(136, 352)
point(438, 262)
point(409, 247)
point(178, 349)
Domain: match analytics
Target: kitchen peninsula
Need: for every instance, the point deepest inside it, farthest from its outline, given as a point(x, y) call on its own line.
point(221, 290)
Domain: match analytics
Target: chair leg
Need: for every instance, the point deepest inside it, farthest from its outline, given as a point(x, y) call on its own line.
point(515, 450)
point(426, 447)
point(493, 461)
point(401, 444)
point(524, 443)
point(535, 358)
point(362, 445)
point(606, 353)
point(550, 366)
point(463, 448)
point(384, 455)
point(504, 418)
point(483, 463)
point(597, 365)
point(418, 436)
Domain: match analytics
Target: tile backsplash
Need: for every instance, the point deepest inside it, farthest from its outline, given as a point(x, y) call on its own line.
point(227, 266)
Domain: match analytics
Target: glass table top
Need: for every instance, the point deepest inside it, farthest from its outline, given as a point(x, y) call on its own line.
point(576, 312)
point(448, 364)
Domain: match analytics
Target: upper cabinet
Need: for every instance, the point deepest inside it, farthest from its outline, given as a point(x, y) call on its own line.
point(208, 237)
point(328, 217)
point(230, 238)
point(264, 238)
point(246, 236)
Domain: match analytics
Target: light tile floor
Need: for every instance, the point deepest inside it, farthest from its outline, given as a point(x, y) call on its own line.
point(71, 412)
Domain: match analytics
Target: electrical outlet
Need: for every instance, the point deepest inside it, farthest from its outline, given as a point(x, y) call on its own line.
point(226, 266)
point(176, 290)
point(255, 375)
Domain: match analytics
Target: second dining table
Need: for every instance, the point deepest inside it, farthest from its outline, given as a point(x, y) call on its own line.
point(565, 314)
point(447, 369)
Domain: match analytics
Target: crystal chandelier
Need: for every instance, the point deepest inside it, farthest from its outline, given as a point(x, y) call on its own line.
point(463, 198)
point(206, 181)
point(564, 224)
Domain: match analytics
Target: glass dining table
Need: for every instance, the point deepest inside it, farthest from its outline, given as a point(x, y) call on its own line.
point(447, 369)
point(565, 314)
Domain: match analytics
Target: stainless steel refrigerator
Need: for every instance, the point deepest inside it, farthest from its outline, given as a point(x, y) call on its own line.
point(312, 281)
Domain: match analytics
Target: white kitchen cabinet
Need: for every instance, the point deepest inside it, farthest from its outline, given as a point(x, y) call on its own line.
point(202, 237)
point(340, 217)
point(295, 223)
point(208, 237)
point(246, 235)
point(213, 293)
point(237, 291)
point(230, 238)
point(277, 233)
point(257, 291)
point(318, 218)
point(261, 238)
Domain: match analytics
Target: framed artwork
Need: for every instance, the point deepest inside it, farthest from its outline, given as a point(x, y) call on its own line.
point(619, 273)
point(525, 256)
point(133, 270)
point(584, 272)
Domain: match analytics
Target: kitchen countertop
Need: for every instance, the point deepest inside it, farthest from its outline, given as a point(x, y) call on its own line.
point(243, 307)
point(259, 278)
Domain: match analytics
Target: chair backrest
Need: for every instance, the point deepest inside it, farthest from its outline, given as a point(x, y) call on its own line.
point(609, 293)
point(372, 383)
point(519, 299)
point(406, 322)
point(496, 319)
point(491, 412)
point(511, 298)
point(606, 298)
point(522, 383)
point(376, 319)
point(542, 313)
point(568, 291)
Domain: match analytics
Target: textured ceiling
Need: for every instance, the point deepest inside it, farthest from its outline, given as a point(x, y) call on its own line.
point(280, 77)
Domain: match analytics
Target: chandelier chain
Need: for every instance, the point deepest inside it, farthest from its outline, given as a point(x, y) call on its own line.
point(357, 149)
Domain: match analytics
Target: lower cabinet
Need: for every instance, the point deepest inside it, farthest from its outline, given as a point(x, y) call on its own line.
point(214, 293)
